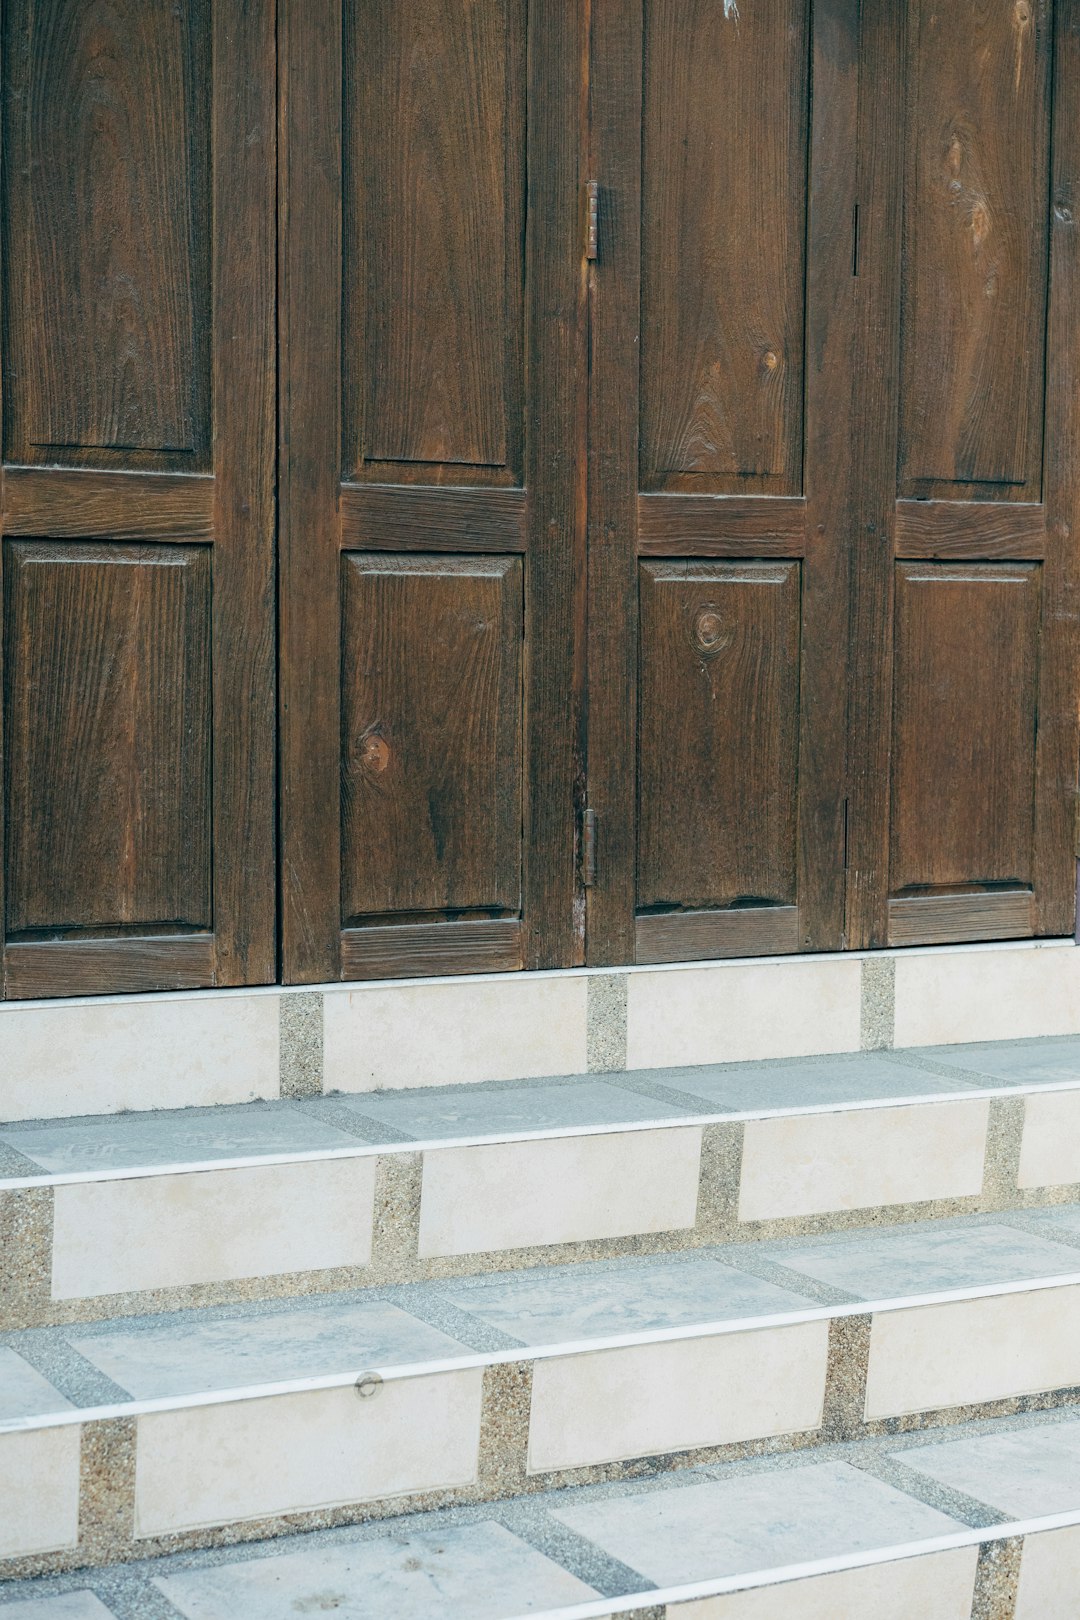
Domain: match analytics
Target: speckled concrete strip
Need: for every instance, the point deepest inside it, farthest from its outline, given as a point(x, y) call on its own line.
point(300, 1027)
point(877, 1010)
point(605, 1022)
point(997, 1579)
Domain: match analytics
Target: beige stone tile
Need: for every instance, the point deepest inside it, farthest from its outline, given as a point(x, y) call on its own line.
point(646, 1399)
point(986, 994)
point(39, 1490)
point(1050, 1146)
point(511, 1195)
point(808, 1164)
point(102, 1057)
point(511, 1028)
point(112, 1237)
point(939, 1586)
point(1049, 1575)
point(741, 1010)
point(211, 1465)
point(973, 1350)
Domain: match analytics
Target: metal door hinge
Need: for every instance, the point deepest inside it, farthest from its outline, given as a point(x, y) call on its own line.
point(592, 219)
point(588, 848)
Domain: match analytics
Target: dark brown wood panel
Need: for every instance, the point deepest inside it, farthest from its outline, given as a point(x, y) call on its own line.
point(64, 503)
point(972, 530)
point(434, 215)
point(723, 231)
point(948, 919)
point(396, 517)
point(107, 716)
point(721, 525)
point(91, 967)
point(717, 743)
point(107, 135)
point(975, 247)
point(965, 682)
point(701, 936)
point(412, 950)
point(431, 734)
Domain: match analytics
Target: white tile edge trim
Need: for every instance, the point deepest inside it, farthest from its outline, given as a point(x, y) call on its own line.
point(355, 986)
point(542, 1352)
point(365, 1150)
point(721, 1586)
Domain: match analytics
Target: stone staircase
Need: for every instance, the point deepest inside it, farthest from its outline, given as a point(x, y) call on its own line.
point(796, 1337)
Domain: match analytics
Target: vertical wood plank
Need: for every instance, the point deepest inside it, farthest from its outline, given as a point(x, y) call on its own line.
point(554, 478)
point(875, 378)
point(613, 473)
point(1056, 758)
point(831, 472)
point(244, 419)
point(309, 478)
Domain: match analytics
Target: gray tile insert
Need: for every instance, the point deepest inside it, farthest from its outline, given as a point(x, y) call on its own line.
point(546, 1305)
point(536, 1106)
point(24, 1392)
point(806, 1083)
point(733, 1526)
point(1046, 1059)
point(928, 1258)
point(59, 1606)
point(1023, 1474)
point(470, 1572)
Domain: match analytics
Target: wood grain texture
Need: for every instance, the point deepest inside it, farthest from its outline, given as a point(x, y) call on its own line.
point(723, 235)
point(721, 526)
point(1059, 663)
point(107, 707)
point(402, 518)
point(414, 950)
point(84, 504)
point(975, 530)
point(90, 967)
point(106, 201)
point(434, 214)
point(975, 247)
point(431, 734)
point(945, 919)
point(717, 743)
point(701, 936)
point(965, 714)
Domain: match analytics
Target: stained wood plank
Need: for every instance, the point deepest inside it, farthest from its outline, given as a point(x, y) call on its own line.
point(413, 950)
point(699, 936)
point(970, 529)
point(724, 129)
point(974, 286)
point(107, 203)
point(83, 503)
point(721, 525)
point(434, 219)
point(965, 716)
point(404, 517)
point(944, 919)
point(88, 967)
point(717, 745)
point(431, 729)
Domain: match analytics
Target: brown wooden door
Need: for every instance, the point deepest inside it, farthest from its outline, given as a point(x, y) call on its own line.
point(833, 521)
point(431, 484)
point(137, 241)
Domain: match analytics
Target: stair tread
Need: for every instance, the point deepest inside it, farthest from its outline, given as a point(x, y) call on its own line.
point(614, 1548)
point(172, 1356)
point(363, 1122)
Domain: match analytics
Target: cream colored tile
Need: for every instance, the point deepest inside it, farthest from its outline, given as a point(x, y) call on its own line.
point(511, 1028)
point(646, 1399)
point(100, 1058)
point(511, 1195)
point(1049, 1576)
point(987, 994)
point(1050, 1147)
point(973, 1350)
point(39, 1490)
point(110, 1237)
point(940, 1586)
point(810, 1163)
point(735, 1010)
point(211, 1465)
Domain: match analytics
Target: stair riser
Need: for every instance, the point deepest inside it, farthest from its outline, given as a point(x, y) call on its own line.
point(163, 1240)
point(123, 1487)
point(199, 1048)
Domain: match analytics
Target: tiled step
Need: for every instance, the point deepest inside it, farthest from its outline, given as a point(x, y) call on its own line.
point(146, 1211)
point(141, 1435)
point(966, 1522)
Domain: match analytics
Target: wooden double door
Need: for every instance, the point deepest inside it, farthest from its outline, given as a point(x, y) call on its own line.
point(492, 485)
